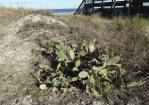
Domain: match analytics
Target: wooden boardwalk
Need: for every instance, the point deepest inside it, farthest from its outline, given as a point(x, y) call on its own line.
point(113, 7)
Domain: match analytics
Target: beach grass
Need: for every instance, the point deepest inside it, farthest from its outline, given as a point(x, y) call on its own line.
point(127, 37)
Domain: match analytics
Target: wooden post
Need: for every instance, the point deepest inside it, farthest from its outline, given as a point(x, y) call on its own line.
point(102, 7)
point(112, 4)
point(141, 6)
point(125, 7)
point(129, 7)
point(93, 6)
point(114, 7)
point(125, 4)
point(85, 7)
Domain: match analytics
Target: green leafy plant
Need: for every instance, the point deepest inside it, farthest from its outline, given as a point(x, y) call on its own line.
point(79, 67)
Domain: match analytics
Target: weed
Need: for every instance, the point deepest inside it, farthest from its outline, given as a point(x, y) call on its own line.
point(79, 67)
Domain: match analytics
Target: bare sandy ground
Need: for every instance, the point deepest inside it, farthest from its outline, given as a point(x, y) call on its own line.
point(16, 59)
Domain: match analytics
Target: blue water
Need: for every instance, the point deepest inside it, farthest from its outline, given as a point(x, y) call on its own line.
point(63, 11)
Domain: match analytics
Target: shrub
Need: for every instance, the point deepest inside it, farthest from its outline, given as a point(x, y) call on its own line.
point(79, 67)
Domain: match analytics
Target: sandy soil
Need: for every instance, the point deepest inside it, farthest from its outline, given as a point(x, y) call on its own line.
point(16, 62)
point(16, 59)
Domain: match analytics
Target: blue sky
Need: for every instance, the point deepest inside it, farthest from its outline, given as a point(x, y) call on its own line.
point(41, 4)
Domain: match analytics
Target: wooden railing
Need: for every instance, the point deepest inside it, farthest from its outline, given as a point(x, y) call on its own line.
point(82, 8)
point(82, 5)
point(87, 6)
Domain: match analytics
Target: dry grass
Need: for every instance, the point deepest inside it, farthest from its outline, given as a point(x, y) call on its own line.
point(8, 15)
point(83, 22)
point(13, 11)
point(44, 13)
point(127, 37)
point(84, 27)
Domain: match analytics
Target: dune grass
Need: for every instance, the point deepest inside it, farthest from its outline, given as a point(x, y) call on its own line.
point(8, 15)
point(128, 37)
point(43, 12)
point(81, 21)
